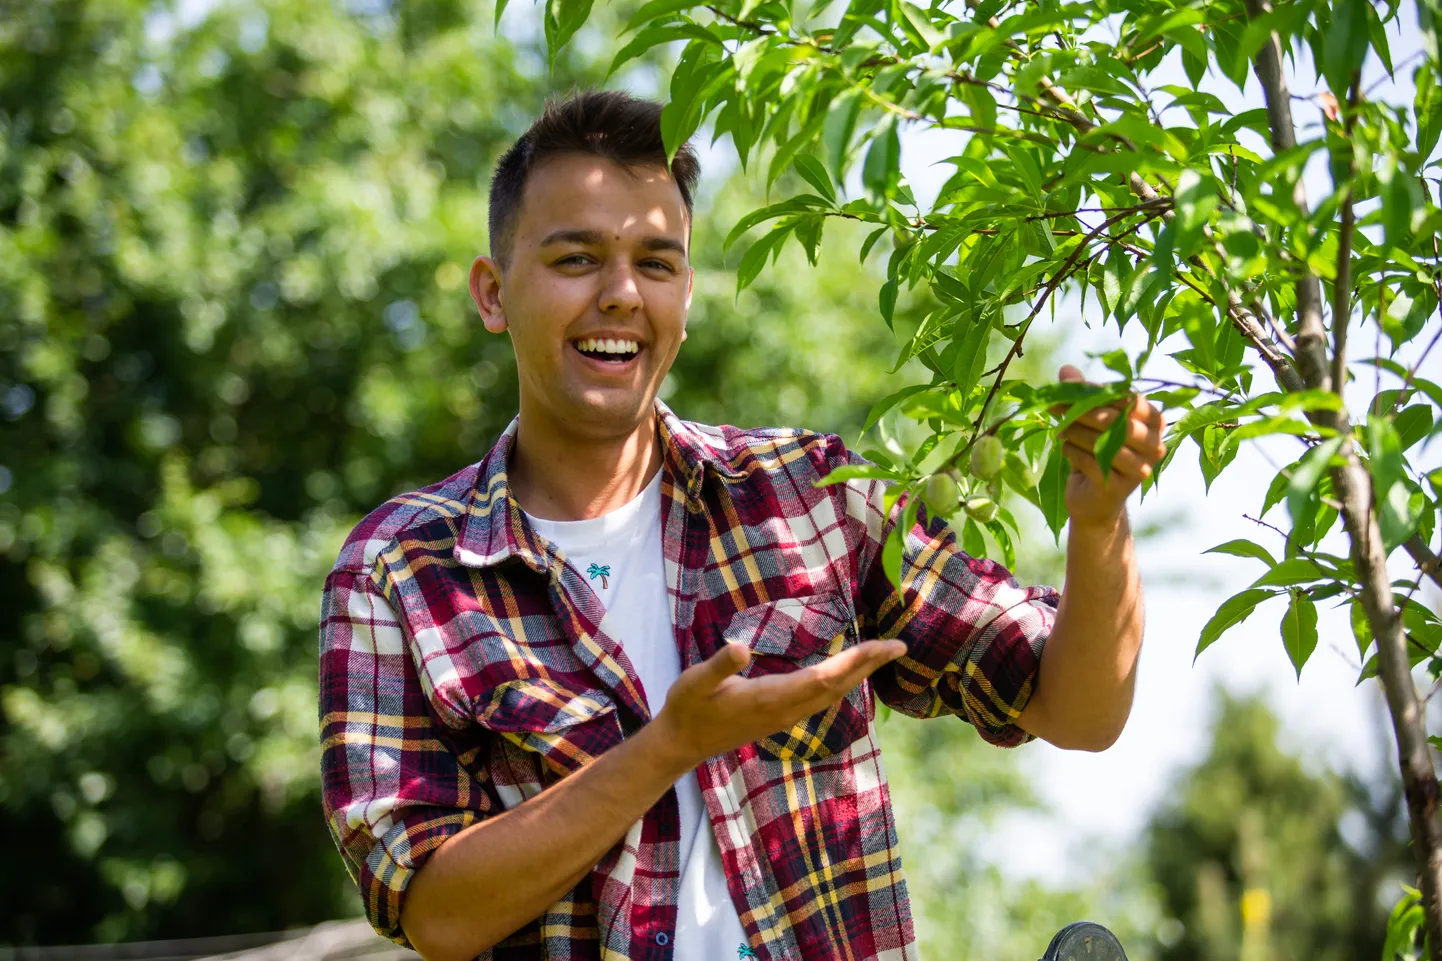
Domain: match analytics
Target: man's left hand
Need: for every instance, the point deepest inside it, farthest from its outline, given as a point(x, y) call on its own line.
point(1092, 499)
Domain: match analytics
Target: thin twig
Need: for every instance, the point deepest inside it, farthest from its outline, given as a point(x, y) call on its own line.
point(1342, 285)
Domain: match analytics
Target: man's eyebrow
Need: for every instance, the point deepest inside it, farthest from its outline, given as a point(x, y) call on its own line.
point(571, 236)
point(664, 243)
point(593, 238)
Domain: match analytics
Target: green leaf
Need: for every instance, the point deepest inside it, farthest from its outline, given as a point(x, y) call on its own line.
point(1003, 540)
point(1198, 417)
point(889, 401)
point(1345, 45)
point(893, 555)
point(1113, 439)
point(656, 10)
point(850, 472)
point(971, 540)
point(1241, 547)
point(683, 113)
point(1291, 572)
point(1400, 196)
point(755, 257)
point(886, 299)
point(812, 171)
point(1052, 490)
point(970, 354)
point(1278, 488)
point(837, 130)
point(1105, 395)
point(563, 19)
point(1234, 610)
point(1196, 199)
point(870, 242)
point(1413, 423)
point(883, 160)
point(1389, 490)
point(1427, 108)
point(1299, 629)
point(1305, 477)
point(1116, 272)
point(1405, 923)
point(1361, 628)
point(797, 204)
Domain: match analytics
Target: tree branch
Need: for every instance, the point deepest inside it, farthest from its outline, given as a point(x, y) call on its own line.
point(1353, 486)
point(1342, 285)
point(1311, 352)
point(1427, 562)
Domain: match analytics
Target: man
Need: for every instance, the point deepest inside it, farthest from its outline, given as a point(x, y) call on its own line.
point(609, 692)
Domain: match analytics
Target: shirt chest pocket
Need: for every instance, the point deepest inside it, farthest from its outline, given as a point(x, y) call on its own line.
point(567, 728)
point(791, 634)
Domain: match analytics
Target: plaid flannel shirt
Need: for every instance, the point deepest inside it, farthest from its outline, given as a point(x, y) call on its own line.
point(462, 671)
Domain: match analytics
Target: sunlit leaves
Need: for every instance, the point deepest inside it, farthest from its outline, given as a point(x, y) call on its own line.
point(1063, 130)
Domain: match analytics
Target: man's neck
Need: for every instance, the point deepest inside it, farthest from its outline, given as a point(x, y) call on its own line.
point(556, 475)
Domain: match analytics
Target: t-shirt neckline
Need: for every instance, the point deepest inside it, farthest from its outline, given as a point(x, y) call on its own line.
point(591, 532)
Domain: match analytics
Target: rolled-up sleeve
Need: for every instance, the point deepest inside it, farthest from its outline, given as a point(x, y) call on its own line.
point(394, 785)
point(974, 636)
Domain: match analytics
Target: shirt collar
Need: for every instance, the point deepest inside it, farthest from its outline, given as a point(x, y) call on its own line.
point(494, 527)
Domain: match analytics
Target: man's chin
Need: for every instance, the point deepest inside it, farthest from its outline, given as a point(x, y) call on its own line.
point(605, 414)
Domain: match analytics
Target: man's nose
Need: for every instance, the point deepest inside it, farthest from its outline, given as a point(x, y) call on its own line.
point(619, 293)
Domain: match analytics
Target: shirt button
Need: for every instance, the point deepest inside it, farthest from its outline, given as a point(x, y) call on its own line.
point(662, 938)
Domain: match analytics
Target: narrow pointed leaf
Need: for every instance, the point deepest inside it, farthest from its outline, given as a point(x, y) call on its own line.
point(1299, 629)
point(1234, 610)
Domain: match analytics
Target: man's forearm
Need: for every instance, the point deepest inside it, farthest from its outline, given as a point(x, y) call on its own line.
point(1088, 666)
point(486, 882)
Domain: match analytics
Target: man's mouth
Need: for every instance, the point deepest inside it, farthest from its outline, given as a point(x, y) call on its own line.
point(607, 350)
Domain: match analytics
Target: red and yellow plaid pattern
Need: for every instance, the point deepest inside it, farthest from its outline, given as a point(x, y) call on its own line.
point(463, 670)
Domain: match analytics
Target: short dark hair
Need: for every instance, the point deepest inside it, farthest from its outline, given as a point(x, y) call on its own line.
point(602, 123)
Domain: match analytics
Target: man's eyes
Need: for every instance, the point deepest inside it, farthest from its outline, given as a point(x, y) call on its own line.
point(582, 259)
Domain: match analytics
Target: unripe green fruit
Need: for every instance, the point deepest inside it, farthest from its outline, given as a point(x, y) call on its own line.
point(1024, 473)
point(981, 509)
point(940, 495)
point(986, 457)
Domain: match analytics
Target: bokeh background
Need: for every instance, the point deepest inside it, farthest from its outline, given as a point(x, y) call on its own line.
point(233, 246)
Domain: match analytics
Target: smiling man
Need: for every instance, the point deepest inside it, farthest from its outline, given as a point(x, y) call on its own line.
point(609, 693)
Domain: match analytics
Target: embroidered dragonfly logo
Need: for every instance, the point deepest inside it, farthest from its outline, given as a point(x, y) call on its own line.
point(602, 571)
point(745, 951)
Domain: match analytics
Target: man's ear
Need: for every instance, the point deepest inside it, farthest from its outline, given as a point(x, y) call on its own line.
point(486, 292)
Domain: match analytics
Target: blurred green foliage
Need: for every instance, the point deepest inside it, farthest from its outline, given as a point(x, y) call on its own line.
point(1250, 856)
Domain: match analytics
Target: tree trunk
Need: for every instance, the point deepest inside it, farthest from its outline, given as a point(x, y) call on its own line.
point(1419, 779)
point(1354, 488)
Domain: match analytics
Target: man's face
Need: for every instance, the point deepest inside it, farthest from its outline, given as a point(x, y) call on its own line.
point(595, 292)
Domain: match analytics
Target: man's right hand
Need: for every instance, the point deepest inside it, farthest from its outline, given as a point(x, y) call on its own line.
point(520, 861)
point(709, 710)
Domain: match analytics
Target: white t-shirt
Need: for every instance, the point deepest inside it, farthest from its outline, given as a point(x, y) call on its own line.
point(620, 555)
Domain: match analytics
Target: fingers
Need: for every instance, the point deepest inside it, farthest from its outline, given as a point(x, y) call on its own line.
point(1069, 374)
point(1083, 461)
point(814, 688)
point(710, 673)
point(1144, 431)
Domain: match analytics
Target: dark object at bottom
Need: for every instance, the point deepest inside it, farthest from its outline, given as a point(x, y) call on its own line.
point(1084, 941)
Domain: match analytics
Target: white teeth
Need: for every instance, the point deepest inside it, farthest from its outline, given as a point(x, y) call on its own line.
point(592, 345)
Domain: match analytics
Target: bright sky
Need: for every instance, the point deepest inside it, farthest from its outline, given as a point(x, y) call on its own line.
point(1103, 800)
